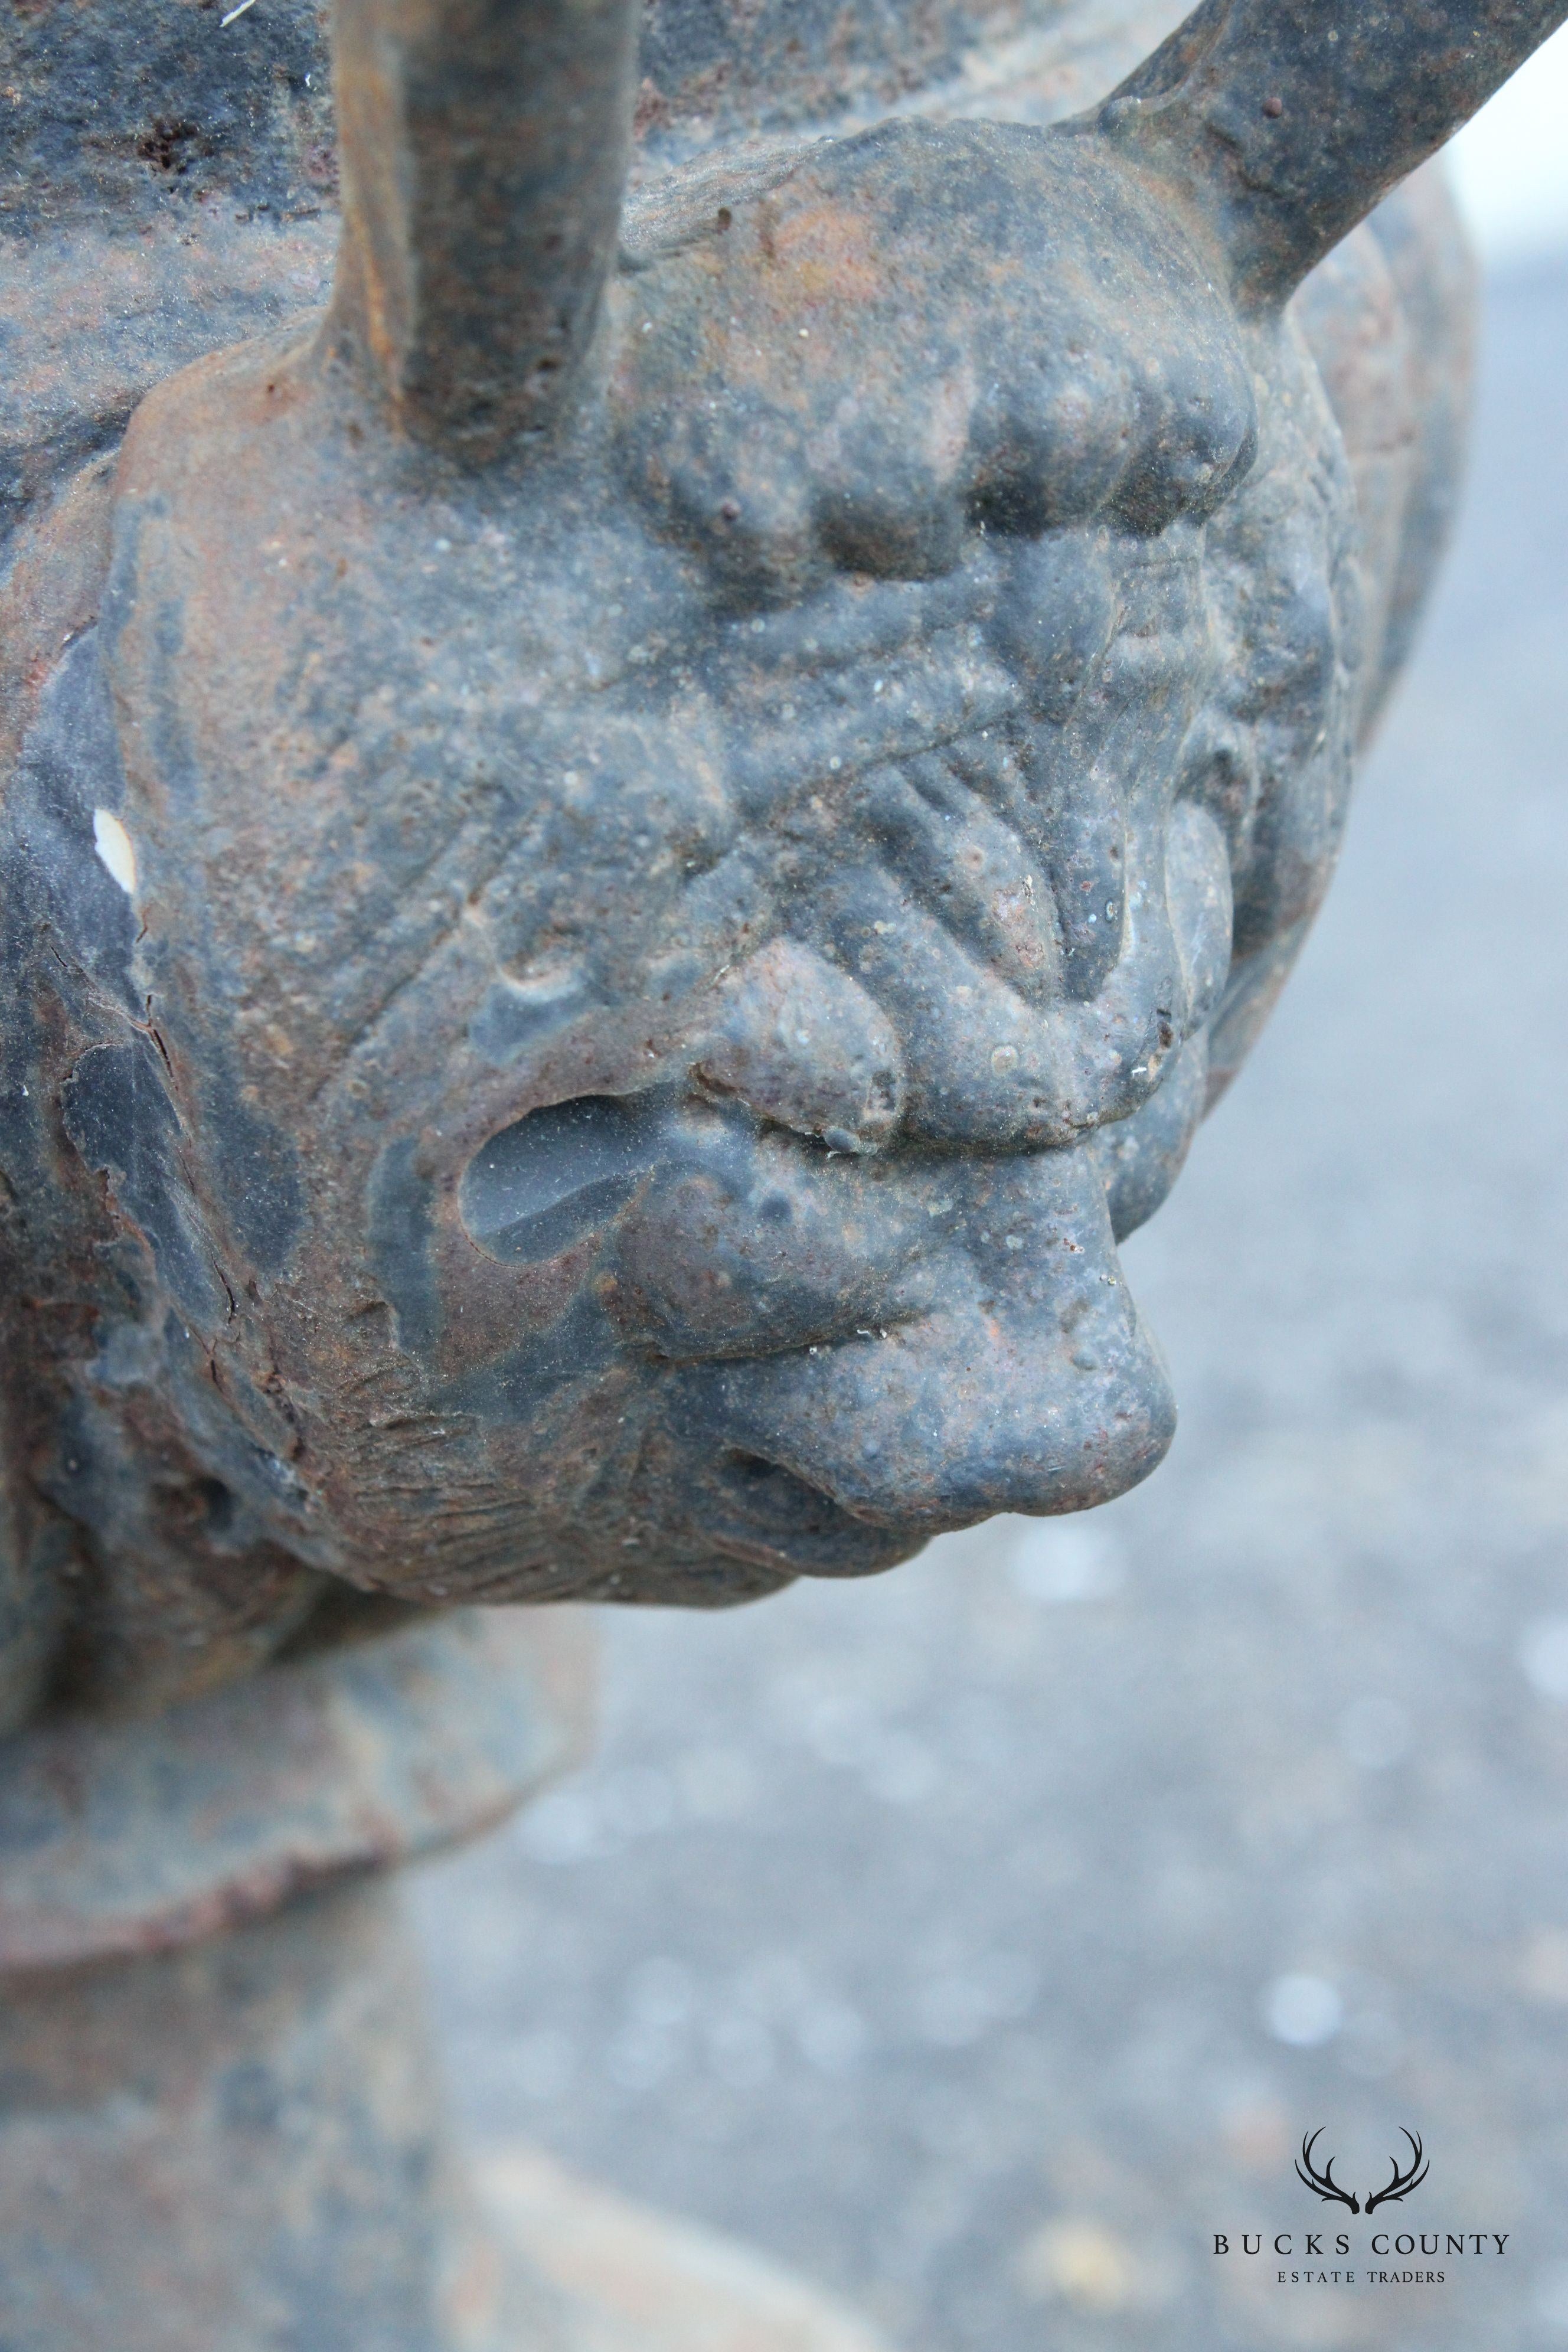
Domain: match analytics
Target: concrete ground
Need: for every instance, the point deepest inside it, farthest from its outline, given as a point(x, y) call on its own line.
point(983, 1940)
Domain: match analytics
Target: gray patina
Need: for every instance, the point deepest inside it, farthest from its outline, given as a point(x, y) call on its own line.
point(635, 835)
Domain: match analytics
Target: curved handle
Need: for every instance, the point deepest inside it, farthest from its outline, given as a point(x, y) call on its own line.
point(484, 148)
point(1286, 120)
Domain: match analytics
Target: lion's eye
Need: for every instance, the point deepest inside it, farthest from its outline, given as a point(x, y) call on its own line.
point(536, 1188)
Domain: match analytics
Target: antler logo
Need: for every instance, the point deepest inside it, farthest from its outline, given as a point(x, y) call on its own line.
point(1402, 2182)
point(1323, 2184)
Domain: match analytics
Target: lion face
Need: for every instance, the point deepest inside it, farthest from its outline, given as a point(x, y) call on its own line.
point(663, 971)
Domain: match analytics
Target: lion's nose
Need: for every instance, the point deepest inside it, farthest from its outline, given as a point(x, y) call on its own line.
point(1033, 1386)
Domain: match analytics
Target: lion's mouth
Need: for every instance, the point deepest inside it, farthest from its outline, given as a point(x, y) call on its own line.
point(757, 1511)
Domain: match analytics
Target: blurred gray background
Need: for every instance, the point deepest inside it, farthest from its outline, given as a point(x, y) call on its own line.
point(982, 1939)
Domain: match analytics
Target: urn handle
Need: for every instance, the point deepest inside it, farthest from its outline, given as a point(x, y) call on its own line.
point(485, 146)
point(1286, 120)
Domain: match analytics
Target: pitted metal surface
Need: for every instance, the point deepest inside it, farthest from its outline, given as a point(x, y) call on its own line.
point(674, 689)
point(622, 875)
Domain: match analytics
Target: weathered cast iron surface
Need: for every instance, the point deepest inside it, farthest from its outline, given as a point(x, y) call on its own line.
point(621, 875)
point(673, 690)
point(238, 2144)
point(238, 2147)
point(134, 1835)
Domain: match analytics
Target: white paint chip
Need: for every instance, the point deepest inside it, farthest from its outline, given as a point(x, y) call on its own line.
point(113, 844)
